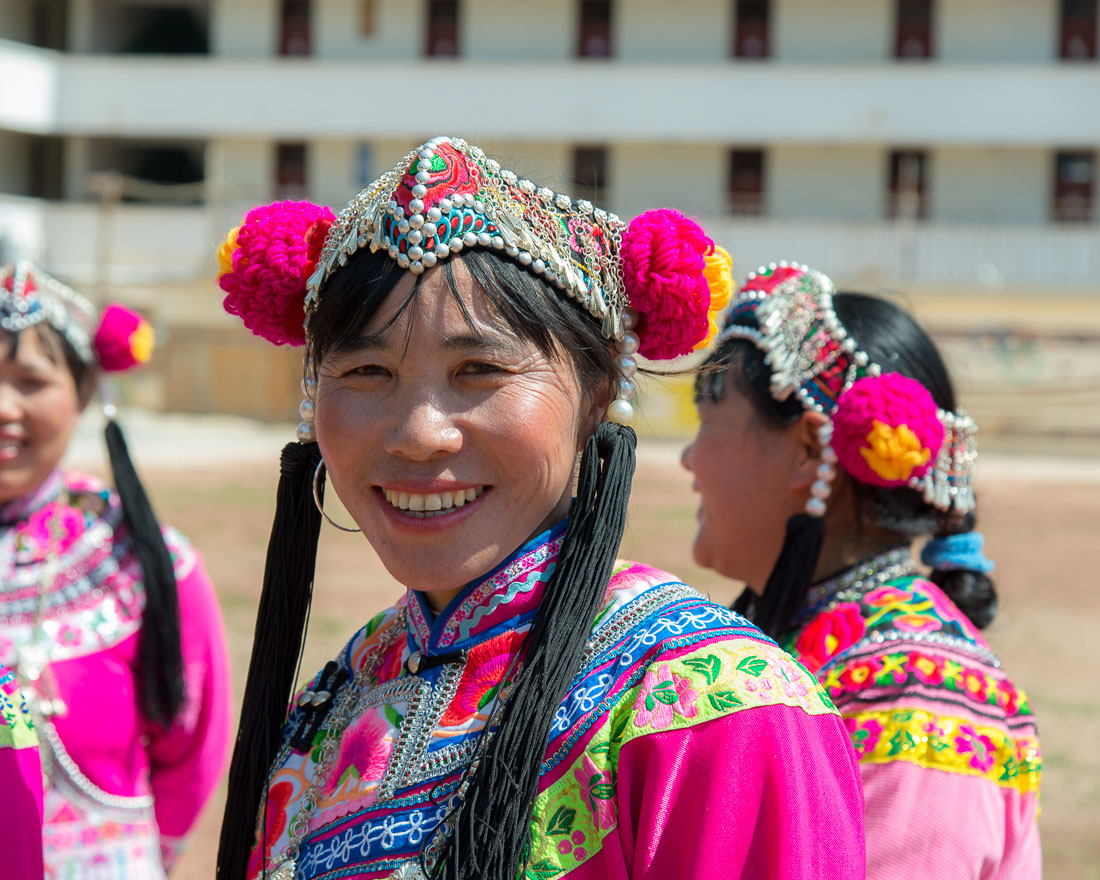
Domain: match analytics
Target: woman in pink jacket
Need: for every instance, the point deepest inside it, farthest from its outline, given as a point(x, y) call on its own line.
point(110, 624)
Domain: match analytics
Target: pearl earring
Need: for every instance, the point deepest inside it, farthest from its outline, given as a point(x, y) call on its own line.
point(621, 411)
point(822, 486)
point(307, 432)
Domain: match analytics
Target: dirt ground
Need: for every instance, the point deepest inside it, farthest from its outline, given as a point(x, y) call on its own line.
point(1040, 524)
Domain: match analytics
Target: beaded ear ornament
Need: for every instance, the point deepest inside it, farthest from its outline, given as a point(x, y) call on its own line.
point(884, 429)
point(119, 340)
point(655, 285)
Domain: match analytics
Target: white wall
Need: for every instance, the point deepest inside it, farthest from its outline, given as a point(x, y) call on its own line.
point(240, 170)
point(684, 31)
point(825, 181)
point(839, 31)
point(397, 32)
point(243, 28)
point(688, 177)
point(996, 30)
point(983, 185)
point(520, 30)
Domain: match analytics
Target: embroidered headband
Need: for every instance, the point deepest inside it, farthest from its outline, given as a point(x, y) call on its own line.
point(654, 286)
point(120, 339)
point(884, 428)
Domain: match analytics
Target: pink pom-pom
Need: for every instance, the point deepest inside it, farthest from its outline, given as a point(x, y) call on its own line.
point(886, 430)
point(664, 260)
point(274, 254)
point(124, 339)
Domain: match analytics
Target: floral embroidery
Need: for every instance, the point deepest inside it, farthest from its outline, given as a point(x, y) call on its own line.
point(278, 796)
point(830, 633)
point(662, 696)
point(860, 674)
point(364, 754)
point(942, 742)
point(485, 668)
point(926, 668)
point(598, 789)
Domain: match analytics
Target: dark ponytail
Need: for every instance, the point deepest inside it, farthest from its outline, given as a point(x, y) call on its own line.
point(490, 828)
point(972, 591)
point(160, 657)
point(276, 646)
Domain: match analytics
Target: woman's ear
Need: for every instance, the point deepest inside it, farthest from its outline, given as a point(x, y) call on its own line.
point(808, 449)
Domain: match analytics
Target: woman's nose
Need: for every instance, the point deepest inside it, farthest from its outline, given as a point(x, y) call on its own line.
point(424, 430)
point(11, 403)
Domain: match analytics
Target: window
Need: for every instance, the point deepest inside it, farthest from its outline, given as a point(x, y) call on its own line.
point(590, 172)
point(908, 176)
point(441, 37)
point(750, 29)
point(1077, 39)
point(1074, 180)
point(290, 170)
point(913, 36)
point(746, 182)
point(594, 30)
point(48, 23)
point(294, 28)
point(46, 169)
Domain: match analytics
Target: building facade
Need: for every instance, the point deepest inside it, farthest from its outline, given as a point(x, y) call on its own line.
point(930, 146)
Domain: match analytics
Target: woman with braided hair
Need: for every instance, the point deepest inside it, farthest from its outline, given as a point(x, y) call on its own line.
point(531, 707)
point(108, 622)
point(830, 441)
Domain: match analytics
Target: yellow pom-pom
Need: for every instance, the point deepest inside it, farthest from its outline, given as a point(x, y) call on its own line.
point(718, 271)
point(142, 341)
point(893, 453)
point(225, 252)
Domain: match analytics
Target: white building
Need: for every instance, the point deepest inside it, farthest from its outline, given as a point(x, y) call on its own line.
point(927, 145)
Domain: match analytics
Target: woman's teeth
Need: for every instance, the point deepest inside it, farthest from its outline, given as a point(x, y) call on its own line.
point(433, 502)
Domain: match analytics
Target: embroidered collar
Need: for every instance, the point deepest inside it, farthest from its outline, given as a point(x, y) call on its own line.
point(506, 598)
point(19, 509)
point(857, 580)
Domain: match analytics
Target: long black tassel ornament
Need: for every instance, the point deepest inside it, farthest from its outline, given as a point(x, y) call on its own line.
point(160, 657)
point(276, 646)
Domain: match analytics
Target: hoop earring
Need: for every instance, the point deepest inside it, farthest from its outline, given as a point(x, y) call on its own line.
point(318, 476)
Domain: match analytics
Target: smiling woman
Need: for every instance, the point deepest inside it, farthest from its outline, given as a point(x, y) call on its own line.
point(532, 707)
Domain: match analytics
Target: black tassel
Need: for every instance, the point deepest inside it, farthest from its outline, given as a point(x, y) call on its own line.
point(160, 657)
point(491, 826)
point(276, 647)
point(792, 576)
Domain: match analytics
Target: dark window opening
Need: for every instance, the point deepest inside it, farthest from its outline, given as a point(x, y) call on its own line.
point(1077, 37)
point(441, 38)
point(590, 173)
point(166, 30)
point(1074, 182)
point(49, 24)
point(149, 172)
point(913, 34)
point(45, 171)
point(746, 183)
point(594, 29)
point(908, 181)
point(294, 28)
point(750, 29)
point(290, 170)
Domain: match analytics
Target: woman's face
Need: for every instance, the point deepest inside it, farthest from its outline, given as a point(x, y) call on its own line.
point(39, 408)
point(743, 473)
point(450, 443)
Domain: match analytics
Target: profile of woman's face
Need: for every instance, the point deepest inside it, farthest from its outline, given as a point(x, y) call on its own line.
point(742, 472)
point(450, 442)
point(39, 408)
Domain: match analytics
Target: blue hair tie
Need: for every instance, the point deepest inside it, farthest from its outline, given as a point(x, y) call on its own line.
point(956, 553)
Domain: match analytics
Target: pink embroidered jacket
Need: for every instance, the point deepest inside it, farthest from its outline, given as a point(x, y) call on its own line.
point(689, 745)
point(121, 792)
point(21, 784)
point(947, 746)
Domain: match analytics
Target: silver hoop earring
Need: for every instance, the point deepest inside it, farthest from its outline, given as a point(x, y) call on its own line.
point(318, 476)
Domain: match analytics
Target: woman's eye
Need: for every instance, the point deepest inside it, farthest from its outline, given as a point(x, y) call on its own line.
point(477, 368)
point(368, 370)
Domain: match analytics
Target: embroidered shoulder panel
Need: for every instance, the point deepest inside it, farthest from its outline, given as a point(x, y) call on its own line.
point(16, 724)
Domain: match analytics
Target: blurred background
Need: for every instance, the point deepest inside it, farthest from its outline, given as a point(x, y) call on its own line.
point(942, 153)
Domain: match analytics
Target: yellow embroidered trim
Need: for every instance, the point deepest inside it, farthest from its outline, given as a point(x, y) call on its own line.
point(954, 745)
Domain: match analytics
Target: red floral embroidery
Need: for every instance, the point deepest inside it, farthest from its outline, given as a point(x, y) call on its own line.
point(830, 633)
point(485, 668)
point(278, 796)
point(927, 668)
point(860, 674)
point(976, 685)
point(884, 596)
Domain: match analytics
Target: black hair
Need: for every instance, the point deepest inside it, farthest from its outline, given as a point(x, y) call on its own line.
point(160, 658)
point(897, 343)
point(490, 825)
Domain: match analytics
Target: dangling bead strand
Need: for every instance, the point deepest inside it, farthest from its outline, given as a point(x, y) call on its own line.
point(307, 431)
point(822, 486)
point(621, 410)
